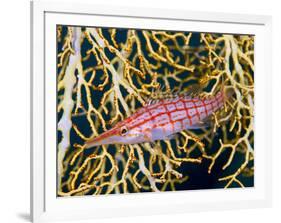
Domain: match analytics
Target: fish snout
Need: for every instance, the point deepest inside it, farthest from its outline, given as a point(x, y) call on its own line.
point(108, 137)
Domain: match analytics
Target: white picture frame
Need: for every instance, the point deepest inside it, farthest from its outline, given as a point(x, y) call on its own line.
point(44, 204)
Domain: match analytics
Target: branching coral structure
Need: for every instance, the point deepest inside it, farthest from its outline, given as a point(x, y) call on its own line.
point(104, 75)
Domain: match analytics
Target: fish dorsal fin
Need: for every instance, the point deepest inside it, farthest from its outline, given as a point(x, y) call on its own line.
point(193, 91)
point(161, 94)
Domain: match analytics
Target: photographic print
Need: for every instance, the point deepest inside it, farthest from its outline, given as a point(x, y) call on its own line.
point(153, 110)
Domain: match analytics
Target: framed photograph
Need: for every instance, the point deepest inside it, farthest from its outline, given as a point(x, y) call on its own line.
point(143, 111)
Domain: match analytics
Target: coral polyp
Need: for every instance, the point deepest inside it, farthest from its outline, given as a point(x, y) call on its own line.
point(106, 75)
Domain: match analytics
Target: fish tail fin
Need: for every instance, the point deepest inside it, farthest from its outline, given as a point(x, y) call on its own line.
point(226, 91)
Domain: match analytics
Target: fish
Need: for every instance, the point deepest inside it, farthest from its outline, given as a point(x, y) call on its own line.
point(162, 119)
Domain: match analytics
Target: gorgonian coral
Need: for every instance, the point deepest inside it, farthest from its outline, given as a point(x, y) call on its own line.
point(106, 74)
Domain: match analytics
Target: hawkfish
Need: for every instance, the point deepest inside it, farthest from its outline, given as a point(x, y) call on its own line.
point(162, 119)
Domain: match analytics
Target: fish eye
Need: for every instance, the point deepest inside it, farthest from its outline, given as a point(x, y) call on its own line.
point(124, 130)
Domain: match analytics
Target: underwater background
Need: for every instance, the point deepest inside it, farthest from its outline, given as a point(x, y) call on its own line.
point(106, 74)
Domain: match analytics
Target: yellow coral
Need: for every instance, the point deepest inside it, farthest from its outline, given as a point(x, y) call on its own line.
point(105, 74)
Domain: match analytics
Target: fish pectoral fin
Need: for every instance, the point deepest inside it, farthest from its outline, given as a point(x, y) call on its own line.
point(147, 138)
point(208, 122)
point(200, 125)
point(172, 136)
